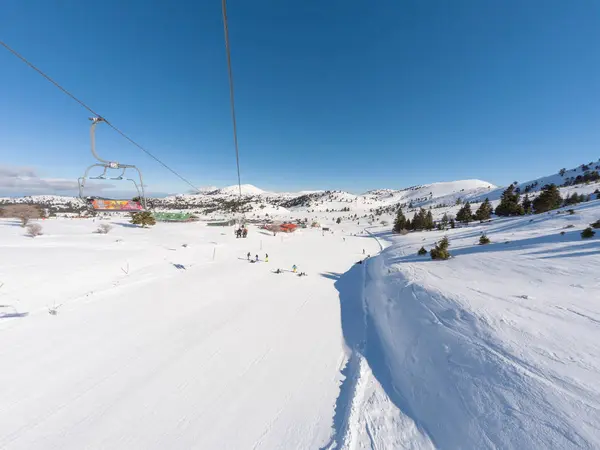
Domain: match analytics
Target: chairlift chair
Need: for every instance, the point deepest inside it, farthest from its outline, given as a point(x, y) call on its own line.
point(106, 204)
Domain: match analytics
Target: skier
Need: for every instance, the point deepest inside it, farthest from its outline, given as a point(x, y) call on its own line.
point(256, 258)
point(294, 268)
point(248, 256)
point(363, 251)
point(266, 257)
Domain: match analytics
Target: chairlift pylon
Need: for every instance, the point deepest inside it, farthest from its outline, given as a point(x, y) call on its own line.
point(106, 204)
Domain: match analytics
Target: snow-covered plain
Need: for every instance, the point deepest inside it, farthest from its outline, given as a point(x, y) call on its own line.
point(169, 337)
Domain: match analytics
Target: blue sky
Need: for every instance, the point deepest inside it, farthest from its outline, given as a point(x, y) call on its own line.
point(349, 95)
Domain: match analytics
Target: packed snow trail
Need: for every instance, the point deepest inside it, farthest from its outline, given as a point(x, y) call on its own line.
point(215, 354)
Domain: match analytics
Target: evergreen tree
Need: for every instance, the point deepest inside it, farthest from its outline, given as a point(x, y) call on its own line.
point(483, 239)
point(509, 203)
point(527, 204)
point(422, 251)
point(587, 233)
point(143, 218)
point(452, 223)
point(464, 214)
point(418, 222)
point(339, 220)
point(408, 225)
point(400, 222)
point(445, 220)
point(549, 199)
point(429, 225)
point(440, 251)
point(484, 212)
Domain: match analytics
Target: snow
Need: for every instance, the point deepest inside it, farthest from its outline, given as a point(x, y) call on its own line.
point(220, 354)
point(496, 348)
point(169, 337)
point(247, 189)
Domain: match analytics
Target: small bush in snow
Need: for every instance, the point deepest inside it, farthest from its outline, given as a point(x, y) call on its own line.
point(144, 218)
point(570, 226)
point(587, 233)
point(422, 251)
point(440, 251)
point(34, 229)
point(22, 212)
point(571, 211)
point(483, 239)
point(404, 232)
point(562, 233)
point(104, 228)
point(596, 224)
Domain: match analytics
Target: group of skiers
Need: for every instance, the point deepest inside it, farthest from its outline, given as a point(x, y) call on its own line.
point(256, 257)
point(255, 260)
point(241, 232)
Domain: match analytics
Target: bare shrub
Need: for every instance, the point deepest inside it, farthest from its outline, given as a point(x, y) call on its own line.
point(104, 228)
point(34, 229)
point(404, 232)
point(22, 212)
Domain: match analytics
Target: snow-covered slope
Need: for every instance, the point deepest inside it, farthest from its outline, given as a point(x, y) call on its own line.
point(169, 337)
point(562, 178)
point(498, 347)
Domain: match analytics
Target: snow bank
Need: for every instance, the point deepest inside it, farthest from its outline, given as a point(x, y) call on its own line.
point(498, 347)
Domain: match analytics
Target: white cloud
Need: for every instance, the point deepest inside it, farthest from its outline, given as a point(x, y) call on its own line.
point(21, 181)
point(26, 181)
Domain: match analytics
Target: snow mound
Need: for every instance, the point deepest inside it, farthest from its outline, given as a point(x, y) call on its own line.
point(496, 348)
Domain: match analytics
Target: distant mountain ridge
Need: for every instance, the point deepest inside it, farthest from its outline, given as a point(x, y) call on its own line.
point(258, 202)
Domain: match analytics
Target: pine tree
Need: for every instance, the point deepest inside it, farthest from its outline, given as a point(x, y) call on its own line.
point(509, 203)
point(400, 222)
point(445, 220)
point(408, 225)
point(422, 251)
point(587, 233)
point(549, 199)
point(464, 214)
point(483, 239)
point(452, 223)
point(527, 204)
point(440, 251)
point(418, 222)
point(484, 212)
point(144, 218)
point(429, 225)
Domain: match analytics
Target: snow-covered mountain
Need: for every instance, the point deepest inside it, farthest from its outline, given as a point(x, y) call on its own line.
point(258, 203)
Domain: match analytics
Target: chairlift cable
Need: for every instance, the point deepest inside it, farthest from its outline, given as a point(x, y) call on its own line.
point(231, 96)
point(22, 58)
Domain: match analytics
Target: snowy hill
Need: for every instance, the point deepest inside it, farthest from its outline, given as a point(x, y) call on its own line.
point(565, 178)
point(331, 205)
point(496, 348)
point(174, 336)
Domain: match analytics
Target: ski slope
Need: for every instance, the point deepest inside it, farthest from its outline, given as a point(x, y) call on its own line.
point(219, 354)
point(169, 337)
